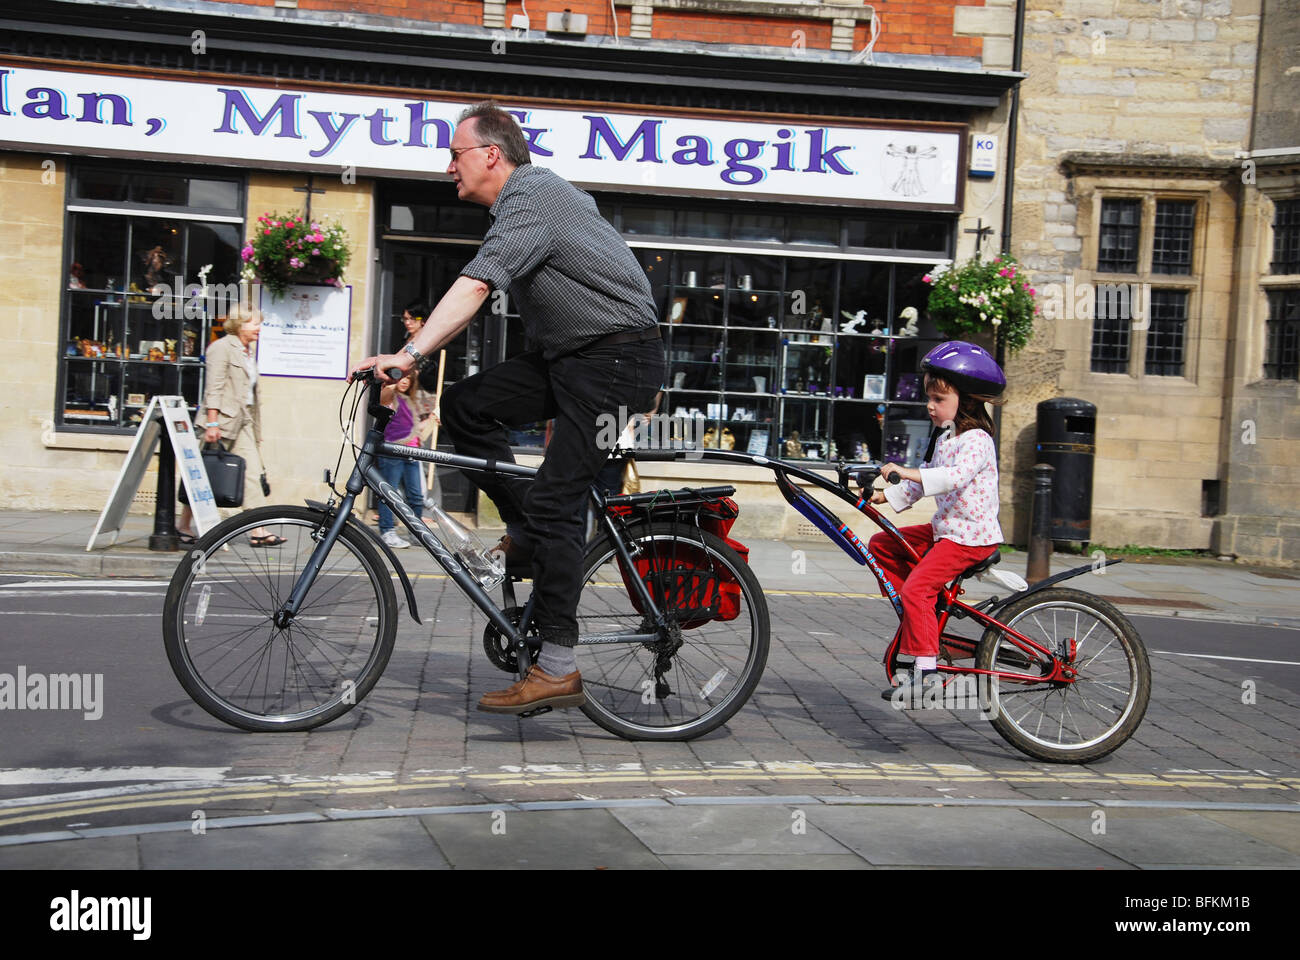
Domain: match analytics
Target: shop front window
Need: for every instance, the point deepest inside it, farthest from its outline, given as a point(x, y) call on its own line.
point(794, 357)
point(783, 327)
point(136, 319)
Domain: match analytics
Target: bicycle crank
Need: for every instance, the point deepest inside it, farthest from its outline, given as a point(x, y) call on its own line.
point(498, 647)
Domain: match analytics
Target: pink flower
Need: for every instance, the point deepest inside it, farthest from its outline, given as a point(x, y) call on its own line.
point(295, 262)
point(315, 253)
point(926, 279)
point(1003, 272)
point(266, 232)
point(1031, 291)
point(247, 253)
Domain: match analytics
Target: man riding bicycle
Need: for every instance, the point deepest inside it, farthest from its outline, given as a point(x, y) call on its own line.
point(590, 321)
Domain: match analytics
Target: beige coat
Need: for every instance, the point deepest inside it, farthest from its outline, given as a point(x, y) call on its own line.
point(227, 390)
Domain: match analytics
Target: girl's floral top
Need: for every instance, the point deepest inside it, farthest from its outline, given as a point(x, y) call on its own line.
point(963, 479)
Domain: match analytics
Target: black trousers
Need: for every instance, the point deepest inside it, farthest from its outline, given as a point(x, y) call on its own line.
point(590, 394)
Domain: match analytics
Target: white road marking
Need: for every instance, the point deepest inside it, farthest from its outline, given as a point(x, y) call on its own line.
point(61, 613)
point(15, 776)
point(74, 584)
point(81, 593)
point(1211, 656)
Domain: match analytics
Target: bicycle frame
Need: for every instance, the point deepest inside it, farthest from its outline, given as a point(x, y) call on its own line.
point(365, 474)
point(840, 534)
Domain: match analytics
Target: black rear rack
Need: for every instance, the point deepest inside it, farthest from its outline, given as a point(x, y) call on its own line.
point(671, 500)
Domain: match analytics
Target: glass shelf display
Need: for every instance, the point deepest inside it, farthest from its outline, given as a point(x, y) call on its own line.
point(793, 357)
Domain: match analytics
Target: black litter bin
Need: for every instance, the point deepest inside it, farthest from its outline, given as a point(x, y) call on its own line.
point(1067, 439)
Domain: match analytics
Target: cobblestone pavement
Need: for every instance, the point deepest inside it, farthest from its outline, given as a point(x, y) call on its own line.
point(815, 733)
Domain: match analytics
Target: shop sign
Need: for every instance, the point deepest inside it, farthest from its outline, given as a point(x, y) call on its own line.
point(305, 333)
point(401, 136)
point(984, 155)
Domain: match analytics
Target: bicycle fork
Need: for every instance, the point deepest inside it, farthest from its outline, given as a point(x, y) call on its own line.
point(289, 609)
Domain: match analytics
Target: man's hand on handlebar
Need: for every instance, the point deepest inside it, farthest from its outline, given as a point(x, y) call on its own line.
point(384, 365)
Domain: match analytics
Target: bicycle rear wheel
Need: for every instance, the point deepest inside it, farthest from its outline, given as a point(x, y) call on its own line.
point(1067, 722)
point(696, 674)
point(222, 640)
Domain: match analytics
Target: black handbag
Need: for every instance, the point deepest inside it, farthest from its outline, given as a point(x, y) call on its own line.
point(225, 472)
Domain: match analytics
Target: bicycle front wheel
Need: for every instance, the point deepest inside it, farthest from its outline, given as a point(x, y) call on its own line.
point(691, 677)
point(223, 643)
point(1074, 721)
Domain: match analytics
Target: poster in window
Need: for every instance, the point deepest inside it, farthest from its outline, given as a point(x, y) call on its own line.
point(305, 333)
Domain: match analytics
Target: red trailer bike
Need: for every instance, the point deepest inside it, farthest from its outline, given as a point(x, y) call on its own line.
point(1062, 675)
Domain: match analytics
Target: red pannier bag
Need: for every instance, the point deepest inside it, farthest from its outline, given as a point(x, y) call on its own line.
point(680, 575)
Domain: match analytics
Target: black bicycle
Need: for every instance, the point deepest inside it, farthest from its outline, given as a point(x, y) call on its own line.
point(674, 627)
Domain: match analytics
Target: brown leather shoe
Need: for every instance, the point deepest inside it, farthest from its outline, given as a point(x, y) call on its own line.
point(538, 689)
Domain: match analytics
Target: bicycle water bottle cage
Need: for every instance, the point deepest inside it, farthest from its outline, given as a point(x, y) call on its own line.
point(822, 519)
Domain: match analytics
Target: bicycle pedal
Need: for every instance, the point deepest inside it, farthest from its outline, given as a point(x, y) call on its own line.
point(534, 713)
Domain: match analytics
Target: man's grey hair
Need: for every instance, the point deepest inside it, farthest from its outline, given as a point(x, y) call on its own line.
point(493, 125)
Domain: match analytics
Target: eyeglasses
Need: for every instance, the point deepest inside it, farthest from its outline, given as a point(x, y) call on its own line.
point(455, 154)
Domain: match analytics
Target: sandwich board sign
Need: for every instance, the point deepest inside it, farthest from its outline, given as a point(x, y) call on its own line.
point(173, 415)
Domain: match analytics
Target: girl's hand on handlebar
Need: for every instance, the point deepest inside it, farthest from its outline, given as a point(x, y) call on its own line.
point(893, 473)
point(877, 496)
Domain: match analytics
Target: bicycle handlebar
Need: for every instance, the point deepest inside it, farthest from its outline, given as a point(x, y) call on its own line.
point(367, 374)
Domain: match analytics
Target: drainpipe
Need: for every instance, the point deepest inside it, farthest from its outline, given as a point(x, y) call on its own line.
point(1000, 347)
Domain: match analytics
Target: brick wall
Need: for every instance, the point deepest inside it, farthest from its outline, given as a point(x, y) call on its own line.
point(434, 11)
point(910, 26)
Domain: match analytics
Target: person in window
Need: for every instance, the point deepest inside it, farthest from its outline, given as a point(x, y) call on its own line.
point(157, 277)
point(229, 414)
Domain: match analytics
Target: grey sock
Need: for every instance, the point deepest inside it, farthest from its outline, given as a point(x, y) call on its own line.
point(557, 660)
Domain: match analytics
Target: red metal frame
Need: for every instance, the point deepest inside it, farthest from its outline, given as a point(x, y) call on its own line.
point(1060, 672)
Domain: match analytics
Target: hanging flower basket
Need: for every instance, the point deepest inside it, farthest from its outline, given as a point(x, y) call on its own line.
point(288, 249)
point(988, 297)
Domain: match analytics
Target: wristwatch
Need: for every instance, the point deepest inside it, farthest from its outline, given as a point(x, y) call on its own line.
point(421, 361)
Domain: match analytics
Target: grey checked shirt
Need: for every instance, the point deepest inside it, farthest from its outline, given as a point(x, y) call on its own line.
point(570, 276)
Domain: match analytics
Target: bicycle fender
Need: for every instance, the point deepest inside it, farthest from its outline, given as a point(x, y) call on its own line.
point(388, 552)
point(1053, 581)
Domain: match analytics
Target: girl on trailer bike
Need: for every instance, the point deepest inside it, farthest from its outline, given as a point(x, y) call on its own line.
point(960, 471)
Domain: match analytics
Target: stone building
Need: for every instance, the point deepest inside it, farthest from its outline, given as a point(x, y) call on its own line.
point(1158, 206)
point(774, 165)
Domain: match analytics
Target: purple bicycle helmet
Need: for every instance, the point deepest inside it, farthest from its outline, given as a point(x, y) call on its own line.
point(967, 367)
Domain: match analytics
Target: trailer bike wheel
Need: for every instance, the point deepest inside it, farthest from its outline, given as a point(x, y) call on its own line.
point(1066, 721)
